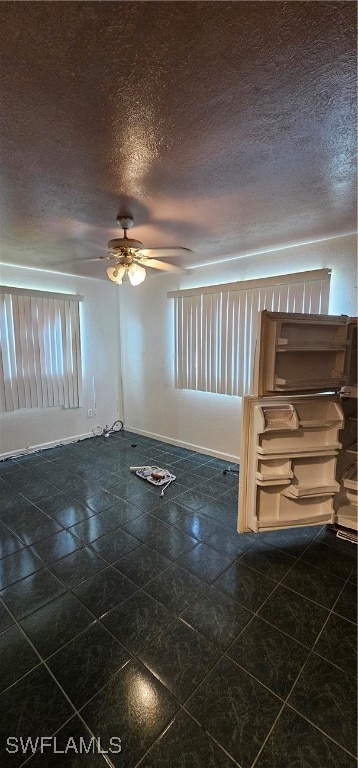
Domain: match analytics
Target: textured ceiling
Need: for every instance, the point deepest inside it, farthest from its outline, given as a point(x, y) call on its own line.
point(223, 127)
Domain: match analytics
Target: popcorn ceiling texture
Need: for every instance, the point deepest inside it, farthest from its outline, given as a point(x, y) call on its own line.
point(223, 127)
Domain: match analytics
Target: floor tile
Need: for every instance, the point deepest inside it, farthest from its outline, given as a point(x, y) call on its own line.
point(320, 586)
point(217, 617)
point(72, 733)
point(9, 542)
point(206, 471)
point(87, 663)
point(185, 745)
point(9, 500)
point(204, 562)
point(77, 567)
point(136, 706)
point(151, 600)
point(245, 586)
point(329, 536)
point(174, 513)
point(175, 588)
point(16, 656)
point(94, 527)
point(65, 510)
point(192, 500)
point(346, 604)
point(81, 489)
point(56, 623)
point(137, 620)
point(5, 618)
point(295, 743)
point(123, 487)
point(208, 487)
point(34, 488)
point(172, 542)
point(338, 643)
point(326, 696)
point(22, 513)
point(18, 566)
point(272, 657)
point(144, 527)
point(34, 705)
point(146, 502)
point(235, 709)
point(101, 501)
point(180, 658)
point(292, 541)
point(31, 593)
point(329, 559)
point(268, 560)
point(229, 542)
point(221, 512)
point(104, 590)
point(33, 532)
point(294, 615)
point(115, 544)
point(125, 510)
point(56, 546)
point(142, 564)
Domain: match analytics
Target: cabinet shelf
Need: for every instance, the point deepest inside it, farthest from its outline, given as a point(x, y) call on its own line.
point(304, 384)
point(273, 481)
point(309, 423)
point(306, 491)
point(298, 445)
point(284, 345)
point(275, 510)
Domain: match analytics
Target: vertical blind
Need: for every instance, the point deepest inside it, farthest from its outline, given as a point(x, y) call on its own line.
point(216, 326)
point(40, 349)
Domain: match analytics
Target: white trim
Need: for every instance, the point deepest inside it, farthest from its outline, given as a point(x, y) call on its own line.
point(40, 294)
point(42, 446)
point(244, 285)
point(191, 446)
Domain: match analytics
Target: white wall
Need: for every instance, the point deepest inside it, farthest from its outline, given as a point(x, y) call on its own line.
point(208, 422)
point(24, 429)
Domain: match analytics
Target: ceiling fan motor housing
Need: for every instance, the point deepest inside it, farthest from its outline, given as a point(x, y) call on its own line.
point(125, 242)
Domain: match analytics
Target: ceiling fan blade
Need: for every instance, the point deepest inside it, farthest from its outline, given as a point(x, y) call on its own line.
point(156, 264)
point(77, 261)
point(164, 252)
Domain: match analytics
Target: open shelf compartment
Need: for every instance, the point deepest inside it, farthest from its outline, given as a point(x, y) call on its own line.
point(273, 509)
point(313, 476)
point(273, 470)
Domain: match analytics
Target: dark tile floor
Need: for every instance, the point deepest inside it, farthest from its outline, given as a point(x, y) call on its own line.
point(123, 614)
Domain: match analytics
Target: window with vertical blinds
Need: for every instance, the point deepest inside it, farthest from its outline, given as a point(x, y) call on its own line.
point(40, 349)
point(216, 326)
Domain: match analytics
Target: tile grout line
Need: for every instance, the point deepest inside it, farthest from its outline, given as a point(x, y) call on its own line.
point(286, 702)
point(212, 584)
point(43, 662)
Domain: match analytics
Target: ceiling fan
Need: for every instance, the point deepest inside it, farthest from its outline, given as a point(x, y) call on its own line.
point(131, 257)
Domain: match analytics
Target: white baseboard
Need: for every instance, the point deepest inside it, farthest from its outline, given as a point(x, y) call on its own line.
point(43, 446)
point(153, 435)
point(191, 446)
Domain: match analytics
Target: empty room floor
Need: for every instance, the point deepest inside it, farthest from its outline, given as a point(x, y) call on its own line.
point(127, 615)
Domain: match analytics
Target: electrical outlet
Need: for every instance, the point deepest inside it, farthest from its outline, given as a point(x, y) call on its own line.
point(89, 412)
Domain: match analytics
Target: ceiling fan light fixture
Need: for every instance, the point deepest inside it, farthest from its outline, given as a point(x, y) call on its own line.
point(136, 274)
point(117, 273)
